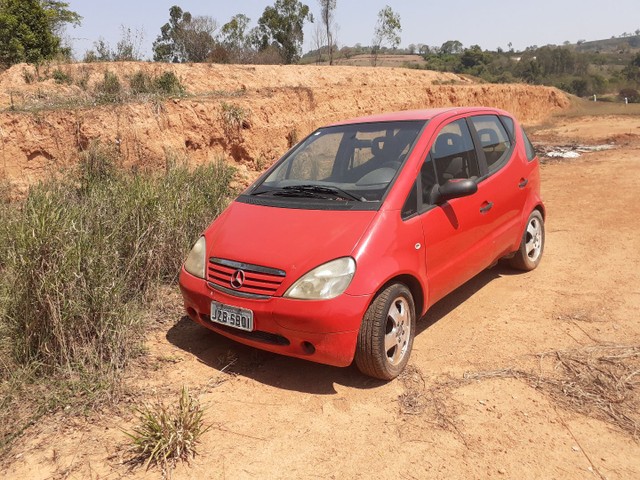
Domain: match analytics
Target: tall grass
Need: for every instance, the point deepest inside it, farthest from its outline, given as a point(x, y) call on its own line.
point(80, 256)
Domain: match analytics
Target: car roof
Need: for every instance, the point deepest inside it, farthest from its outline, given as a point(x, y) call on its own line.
point(426, 114)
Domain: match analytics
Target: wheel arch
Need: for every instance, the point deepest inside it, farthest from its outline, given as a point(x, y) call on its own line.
point(414, 286)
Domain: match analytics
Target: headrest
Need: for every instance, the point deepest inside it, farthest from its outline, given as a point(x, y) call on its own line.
point(448, 144)
point(488, 136)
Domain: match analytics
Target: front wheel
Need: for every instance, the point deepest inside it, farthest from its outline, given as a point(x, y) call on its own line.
point(529, 254)
point(386, 335)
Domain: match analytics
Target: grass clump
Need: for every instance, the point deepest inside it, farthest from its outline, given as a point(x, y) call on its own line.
point(79, 259)
point(167, 435)
point(167, 84)
point(110, 89)
point(61, 77)
point(234, 119)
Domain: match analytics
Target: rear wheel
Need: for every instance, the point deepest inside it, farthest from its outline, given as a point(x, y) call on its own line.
point(386, 335)
point(529, 254)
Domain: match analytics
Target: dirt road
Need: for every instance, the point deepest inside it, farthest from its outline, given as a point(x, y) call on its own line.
point(478, 401)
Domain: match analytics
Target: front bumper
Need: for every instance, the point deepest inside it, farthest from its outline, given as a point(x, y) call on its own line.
point(324, 331)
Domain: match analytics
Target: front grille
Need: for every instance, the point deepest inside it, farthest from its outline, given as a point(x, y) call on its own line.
point(259, 281)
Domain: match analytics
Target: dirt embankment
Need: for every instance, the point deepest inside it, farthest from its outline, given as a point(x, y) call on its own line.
point(250, 114)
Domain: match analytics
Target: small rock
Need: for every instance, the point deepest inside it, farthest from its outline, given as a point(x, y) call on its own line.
point(502, 471)
point(575, 448)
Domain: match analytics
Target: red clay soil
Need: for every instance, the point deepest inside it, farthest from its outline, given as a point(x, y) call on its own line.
point(43, 124)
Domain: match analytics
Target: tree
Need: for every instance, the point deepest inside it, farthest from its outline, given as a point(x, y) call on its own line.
point(234, 31)
point(387, 29)
point(319, 42)
point(59, 15)
point(185, 38)
point(281, 26)
point(451, 47)
point(327, 8)
point(235, 41)
point(632, 70)
point(29, 29)
point(473, 57)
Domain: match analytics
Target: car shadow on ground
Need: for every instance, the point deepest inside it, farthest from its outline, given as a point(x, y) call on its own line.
point(229, 357)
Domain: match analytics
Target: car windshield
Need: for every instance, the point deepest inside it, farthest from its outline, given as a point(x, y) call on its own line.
point(354, 163)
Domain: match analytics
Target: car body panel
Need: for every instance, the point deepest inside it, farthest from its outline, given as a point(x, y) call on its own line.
point(285, 236)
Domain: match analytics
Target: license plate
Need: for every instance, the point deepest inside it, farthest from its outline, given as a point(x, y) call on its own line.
point(235, 317)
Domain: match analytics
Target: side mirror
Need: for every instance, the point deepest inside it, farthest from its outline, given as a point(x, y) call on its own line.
point(455, 188)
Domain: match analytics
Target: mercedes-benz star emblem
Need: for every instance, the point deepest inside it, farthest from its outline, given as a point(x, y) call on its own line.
point(237, 279)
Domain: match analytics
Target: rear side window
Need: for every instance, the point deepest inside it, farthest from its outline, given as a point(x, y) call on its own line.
point(528, 146)
point(493, 139)
point(509, 124)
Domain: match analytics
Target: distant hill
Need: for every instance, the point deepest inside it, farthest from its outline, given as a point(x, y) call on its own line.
point(611, 45)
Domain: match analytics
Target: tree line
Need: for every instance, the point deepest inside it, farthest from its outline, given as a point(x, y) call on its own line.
point(30, 31)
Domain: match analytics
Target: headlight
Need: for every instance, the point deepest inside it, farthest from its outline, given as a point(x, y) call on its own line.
point(324, 282)
point(196, 261)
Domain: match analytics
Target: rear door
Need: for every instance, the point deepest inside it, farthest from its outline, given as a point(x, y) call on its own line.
point(504, 181)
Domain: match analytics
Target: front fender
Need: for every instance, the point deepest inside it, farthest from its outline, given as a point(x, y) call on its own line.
point(398, 250)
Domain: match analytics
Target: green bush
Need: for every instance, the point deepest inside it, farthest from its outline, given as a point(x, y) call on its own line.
point(110, 89)
point(168, 84)
point(141, 83)
point(61, 77)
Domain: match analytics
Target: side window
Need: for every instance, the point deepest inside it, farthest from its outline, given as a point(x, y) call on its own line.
point(410, 206)
point(510, 126)
point(493, 139)
point(453, 153)
point(528, 146)
point(427, 180)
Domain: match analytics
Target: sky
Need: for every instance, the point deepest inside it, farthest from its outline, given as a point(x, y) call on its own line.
point(488, 23)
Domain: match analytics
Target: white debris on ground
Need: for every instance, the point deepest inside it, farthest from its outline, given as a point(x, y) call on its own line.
point(570, 151)
point(562, 154)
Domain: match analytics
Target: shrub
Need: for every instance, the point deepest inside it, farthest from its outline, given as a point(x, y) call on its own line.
point(631, 94)
point(168, 84)
point(61, 77)
point(82, 254)
point(109, 90)
point(141, 83)
point(234, 119)
point(166, 435)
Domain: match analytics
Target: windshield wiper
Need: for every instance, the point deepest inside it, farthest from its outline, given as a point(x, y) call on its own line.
point(338, 192)
point(317, 191)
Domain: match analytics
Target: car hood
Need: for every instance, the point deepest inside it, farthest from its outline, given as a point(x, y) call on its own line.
point(292, 240)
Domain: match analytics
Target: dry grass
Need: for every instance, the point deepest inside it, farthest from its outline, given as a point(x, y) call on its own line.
point(166, 435)
point(414, 400)
point(600, 381)
point(582, 108)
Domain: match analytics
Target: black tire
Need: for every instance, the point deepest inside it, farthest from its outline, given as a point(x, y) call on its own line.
point(531, 248)
point(380, 324)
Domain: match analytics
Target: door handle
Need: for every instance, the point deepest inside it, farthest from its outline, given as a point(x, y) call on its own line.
point(523, 182)
point(486, 206)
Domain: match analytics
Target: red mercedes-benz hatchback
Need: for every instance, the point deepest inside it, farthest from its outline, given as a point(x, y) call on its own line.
point(343, 243)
